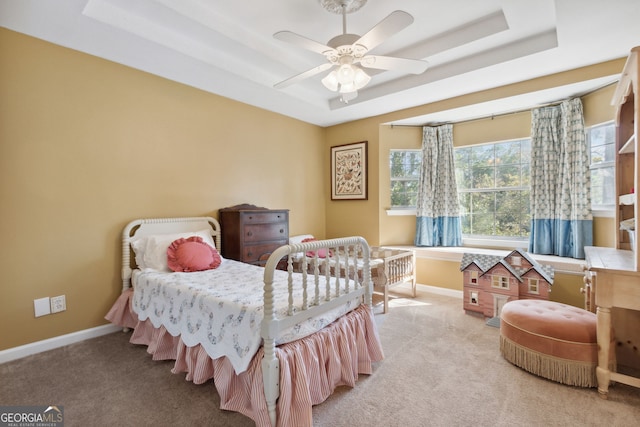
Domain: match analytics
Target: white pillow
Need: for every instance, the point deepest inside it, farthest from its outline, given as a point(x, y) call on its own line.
point(151, 251)
point(295, 240)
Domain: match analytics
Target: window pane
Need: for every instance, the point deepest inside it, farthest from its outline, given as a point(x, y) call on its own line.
point(404, 193)
point(483, 203)
point(482, 177)
point(462, 156)
point(602, 150)
point(482, 224)
point(526, 175)
point(405, 166)
point(482, 155)
point(508, 153)
point(508, 176)
point(463, 178)
point(465, 203)
point(511, 217)
point(602, 183)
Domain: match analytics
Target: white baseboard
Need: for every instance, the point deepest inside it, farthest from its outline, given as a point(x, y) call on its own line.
point(441, 291)
point(55, 342)
point(434, 290)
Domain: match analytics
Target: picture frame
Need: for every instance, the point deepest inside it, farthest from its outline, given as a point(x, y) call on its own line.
point(349, 170)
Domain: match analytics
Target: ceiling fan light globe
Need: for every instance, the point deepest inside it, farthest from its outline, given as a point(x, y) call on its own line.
point(360, 79)
point(346, 74)
point(348, 87)
point(331, 81)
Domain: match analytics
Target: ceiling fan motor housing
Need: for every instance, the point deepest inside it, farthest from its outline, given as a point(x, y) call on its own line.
point(344, 45)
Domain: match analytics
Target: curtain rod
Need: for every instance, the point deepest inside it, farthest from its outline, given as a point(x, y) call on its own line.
point(508, 113)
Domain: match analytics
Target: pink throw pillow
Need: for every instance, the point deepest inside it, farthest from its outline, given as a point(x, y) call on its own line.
point(322, 253)
point(192, 254)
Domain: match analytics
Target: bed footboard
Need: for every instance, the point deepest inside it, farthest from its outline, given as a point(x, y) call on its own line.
point(319, 295)
point(398, 267)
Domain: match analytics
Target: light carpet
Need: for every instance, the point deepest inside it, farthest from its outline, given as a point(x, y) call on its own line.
point(442, 367)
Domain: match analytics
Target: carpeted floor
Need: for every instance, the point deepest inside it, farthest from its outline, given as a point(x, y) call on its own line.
point(441, 368)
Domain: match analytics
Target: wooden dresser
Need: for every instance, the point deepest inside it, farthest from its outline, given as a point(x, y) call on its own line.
point(251, 233)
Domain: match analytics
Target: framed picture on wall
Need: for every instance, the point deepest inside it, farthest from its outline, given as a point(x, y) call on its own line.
point(349, 171)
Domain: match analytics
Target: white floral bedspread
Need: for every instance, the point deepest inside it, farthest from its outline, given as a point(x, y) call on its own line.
point(221, 309)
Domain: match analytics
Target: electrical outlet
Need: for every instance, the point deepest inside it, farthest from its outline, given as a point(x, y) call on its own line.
point(58, 304)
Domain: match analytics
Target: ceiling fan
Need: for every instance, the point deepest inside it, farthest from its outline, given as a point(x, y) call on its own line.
point(346, 51)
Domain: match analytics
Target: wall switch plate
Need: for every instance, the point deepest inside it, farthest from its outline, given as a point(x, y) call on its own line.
point(41, 306)
point(58, 304)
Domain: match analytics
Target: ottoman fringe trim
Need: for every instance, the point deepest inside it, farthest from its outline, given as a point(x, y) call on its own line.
point(570, 372)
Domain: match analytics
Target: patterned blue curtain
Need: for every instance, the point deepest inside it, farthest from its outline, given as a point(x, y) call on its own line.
point(438, 212)
point(561, 220)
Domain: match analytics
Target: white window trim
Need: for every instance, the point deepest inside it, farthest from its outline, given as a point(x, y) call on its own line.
point(401, 212)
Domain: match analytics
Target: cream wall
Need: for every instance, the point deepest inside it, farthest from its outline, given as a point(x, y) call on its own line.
point(88, 145)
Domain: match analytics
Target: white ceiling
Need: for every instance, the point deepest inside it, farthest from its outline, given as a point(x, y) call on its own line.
point(227, 47)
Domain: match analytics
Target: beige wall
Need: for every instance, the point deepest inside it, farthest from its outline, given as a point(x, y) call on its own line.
point(88, 145)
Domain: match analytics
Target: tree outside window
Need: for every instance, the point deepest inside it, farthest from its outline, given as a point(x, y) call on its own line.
point(602, 140)
point(493, 187)
point(405, 168)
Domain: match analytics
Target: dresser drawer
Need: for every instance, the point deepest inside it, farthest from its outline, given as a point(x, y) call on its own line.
point(255, 253)
point(263, 217)
point(265, 232)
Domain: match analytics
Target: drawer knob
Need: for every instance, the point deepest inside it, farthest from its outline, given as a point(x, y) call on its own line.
point(249, 253)
point(281, 230)
point(249, 233)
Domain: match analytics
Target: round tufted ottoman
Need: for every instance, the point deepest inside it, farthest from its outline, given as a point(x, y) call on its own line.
point(552, 340)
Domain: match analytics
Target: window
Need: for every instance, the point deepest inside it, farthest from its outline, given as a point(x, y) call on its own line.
point(493, 187)
point(533, 285)
point(501, 282)
point(494, 183)
point(473, 298)
point(474, 277)
point(601, 140)
point(405, 168)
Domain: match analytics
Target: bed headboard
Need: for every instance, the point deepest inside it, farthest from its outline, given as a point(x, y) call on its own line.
point(150, 226)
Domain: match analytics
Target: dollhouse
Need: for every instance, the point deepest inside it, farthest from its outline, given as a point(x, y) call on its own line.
point(490, 281)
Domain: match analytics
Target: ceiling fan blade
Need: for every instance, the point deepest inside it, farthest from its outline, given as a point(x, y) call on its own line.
point(412, 66)
point(395, 22)
point(305, 75)
point(303, 42)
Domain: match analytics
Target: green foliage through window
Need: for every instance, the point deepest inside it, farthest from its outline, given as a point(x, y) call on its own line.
point(405, 168)
point(602, 140)
point(493, 188)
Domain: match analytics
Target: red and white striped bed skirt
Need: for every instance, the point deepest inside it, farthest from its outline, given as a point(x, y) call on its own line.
point(310, 368)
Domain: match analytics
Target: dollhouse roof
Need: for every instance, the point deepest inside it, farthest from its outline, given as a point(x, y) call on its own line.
point(486, 262)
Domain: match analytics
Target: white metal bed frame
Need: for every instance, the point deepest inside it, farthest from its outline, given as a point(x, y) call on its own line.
point(320, 300)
